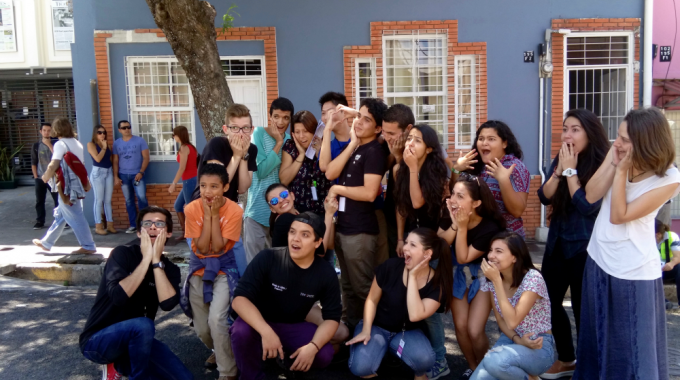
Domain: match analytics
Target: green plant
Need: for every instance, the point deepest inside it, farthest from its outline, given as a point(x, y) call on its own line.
point(6, 167)
point(228, 18)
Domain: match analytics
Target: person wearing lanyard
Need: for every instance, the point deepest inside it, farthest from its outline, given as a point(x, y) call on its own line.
point(472, 220)
point(668, 244)
point(405, 291)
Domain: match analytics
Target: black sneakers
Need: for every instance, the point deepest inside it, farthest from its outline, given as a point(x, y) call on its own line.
point(38, 226)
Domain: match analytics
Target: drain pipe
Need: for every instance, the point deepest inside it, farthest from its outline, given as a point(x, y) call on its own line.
point(540, 142)
point(647, 54)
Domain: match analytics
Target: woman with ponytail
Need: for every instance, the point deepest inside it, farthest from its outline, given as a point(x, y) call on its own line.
point(473, 219)
point(405, 291)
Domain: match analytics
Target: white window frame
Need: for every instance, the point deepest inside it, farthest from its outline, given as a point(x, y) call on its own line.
point(445, 83)
point(630, 66)
point(262, 76)
point(132, 95)
point(357, 88)
point(473, 99)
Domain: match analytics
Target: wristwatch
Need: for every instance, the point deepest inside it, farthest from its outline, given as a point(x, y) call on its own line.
point(569, 172)
point(158, 265)
point(246, 156)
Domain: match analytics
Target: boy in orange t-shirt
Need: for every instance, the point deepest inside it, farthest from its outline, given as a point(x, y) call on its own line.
point(213, 223)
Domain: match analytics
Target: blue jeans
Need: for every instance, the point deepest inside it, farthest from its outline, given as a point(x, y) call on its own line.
point(102, 184)
point(184, 197)
point(364, 360)
point(131, 346)
point(239, 255)
point(509, 361)
point(437, 336)
point(129, 192)
point(73, 215)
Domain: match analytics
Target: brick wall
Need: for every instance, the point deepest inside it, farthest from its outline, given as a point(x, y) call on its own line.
point(157, 194)
point(558, 80)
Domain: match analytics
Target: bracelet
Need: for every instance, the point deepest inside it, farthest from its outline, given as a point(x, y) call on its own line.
point(453, 229)
point(317, 347)
point(613, 164)
point(513, 337)
point(454, 171)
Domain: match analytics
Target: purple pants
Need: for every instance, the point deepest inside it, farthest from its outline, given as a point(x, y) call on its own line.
point(247, 345)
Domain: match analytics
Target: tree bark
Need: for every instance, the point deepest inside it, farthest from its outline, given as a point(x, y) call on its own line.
point(189, 26)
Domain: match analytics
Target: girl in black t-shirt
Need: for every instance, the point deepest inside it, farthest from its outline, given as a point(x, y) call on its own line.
point(404, 291)
point(473, 219)
point(420, 179)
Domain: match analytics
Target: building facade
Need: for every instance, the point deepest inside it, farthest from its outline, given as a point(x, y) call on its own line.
point(456, 63)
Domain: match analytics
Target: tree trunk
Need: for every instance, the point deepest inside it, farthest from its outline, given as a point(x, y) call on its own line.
point(189, 26)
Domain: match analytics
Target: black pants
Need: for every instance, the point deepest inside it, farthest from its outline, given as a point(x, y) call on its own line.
point(559, 274)
point(673, 274)
point(41, 190)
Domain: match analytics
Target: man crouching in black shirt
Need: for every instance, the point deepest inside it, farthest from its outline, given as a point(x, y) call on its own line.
point(137, 279)
point(273, 298)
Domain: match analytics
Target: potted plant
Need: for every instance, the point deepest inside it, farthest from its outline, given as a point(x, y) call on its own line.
point(7, 180)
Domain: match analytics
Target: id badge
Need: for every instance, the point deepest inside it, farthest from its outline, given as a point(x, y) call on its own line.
point(341, 204)
point(400, 349)
point(314, 196)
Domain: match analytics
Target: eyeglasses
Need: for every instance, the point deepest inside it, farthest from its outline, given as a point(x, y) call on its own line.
point(101, 132)
point(235, 129)
point(274, 201)
point(125, 127)
point(149, 223)
point(469, 177)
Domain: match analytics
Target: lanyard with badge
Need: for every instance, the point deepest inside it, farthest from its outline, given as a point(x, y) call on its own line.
point(315, 197)
point(343, 200)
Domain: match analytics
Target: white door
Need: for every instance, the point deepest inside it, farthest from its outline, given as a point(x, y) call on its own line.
point(249, 91)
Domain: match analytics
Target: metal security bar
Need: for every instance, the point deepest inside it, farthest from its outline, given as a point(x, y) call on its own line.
point(25, 104)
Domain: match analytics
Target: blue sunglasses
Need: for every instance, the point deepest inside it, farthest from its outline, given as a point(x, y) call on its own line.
point(274, 201)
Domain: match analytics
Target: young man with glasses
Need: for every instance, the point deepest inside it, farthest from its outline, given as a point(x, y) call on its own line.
point(41, 155)
point(130, 160)
point(269, 141)
point(238, 155)
point(213, 223)
point(137, 279)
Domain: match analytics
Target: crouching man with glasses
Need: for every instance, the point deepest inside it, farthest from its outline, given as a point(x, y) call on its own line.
point(119, 332)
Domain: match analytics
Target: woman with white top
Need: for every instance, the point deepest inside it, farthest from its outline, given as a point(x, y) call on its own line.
point(623, 321)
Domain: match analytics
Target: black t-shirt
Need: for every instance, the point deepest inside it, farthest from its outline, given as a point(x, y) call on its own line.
point(218, 148)
point(113, 305)
point(392, 312)
point(479, 237)
point(359, 217)
point(279, 232)
point(284, 293)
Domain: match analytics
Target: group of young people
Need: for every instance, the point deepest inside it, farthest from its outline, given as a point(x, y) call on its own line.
point(416, 234)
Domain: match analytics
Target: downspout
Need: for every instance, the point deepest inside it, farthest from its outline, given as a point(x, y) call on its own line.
point(647, 54)
point(540, 142)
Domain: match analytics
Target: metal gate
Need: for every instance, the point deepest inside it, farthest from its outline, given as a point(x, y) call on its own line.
point(25, 105)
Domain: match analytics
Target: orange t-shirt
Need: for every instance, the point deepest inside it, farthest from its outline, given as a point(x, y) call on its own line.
point(231, 215)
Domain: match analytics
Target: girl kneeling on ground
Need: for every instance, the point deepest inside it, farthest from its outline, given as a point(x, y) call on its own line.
point(526, 347)
point(405, 291)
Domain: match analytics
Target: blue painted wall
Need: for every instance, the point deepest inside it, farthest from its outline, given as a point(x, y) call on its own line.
point(310, 35)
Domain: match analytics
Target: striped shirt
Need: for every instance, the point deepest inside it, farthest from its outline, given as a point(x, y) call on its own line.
point(268, 164)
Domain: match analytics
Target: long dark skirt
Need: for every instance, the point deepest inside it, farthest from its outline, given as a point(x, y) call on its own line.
point(623, 328)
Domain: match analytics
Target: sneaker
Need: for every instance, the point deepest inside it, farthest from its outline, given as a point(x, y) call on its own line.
point(83, 251)
point(440, 369)
point(110, 373)
point(671, 306)
point(38, 243)
point(38, 226)
point(467, 374)
point(211, 362)
point(131, 230)
point(67, 227)
point(559, 370)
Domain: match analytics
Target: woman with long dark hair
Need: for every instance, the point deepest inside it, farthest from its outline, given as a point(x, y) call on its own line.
point(187, 171)
point(405, 290)
point(420, 179)
point(500, 166)
point(584, 147)
point(102, 179)
point(473, 219)
point(622, 307)
point(520, 302)
point(302, 174)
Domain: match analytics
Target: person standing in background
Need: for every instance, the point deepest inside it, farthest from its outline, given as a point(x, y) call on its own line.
point(41, 155)
point(130, 160)
point(187, 171)
point(102, 179)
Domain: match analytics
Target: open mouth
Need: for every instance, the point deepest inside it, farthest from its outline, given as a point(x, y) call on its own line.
point(295, 247)
point(407, 259)
point(209, 200)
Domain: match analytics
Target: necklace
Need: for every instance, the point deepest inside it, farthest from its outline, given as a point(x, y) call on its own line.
point(639, 174)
